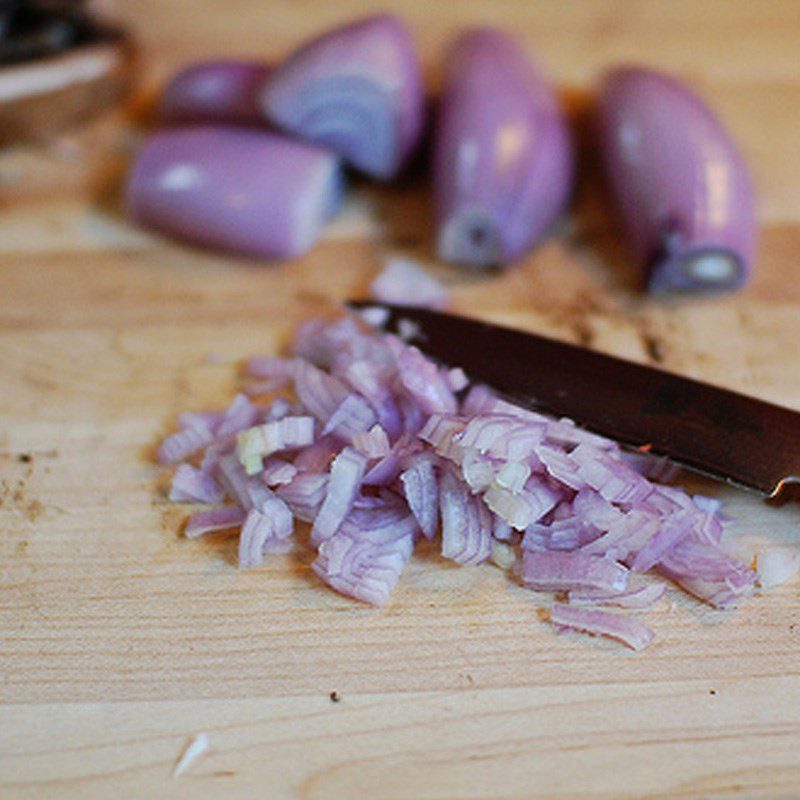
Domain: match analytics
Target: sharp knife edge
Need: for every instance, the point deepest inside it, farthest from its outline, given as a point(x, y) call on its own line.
point(742, 440)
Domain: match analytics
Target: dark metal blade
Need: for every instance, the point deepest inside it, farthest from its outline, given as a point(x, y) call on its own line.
point(739, 439)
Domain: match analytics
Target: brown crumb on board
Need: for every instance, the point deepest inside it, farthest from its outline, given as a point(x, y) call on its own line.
point(583, 333)
point(32, 510)
point(654, 347)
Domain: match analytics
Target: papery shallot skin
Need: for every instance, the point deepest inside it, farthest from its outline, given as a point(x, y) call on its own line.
point(246, 191)
point(357, 90)
point(502, 155)
point(214, 91)
point(682, 191)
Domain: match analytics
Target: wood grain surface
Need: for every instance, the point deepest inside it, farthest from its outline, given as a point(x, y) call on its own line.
point(120, 640)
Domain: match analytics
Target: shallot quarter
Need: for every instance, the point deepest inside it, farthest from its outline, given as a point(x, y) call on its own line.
point(502, 155)
point(356, 89)
point(681, 188)
point(377, 447)
point(247, 191)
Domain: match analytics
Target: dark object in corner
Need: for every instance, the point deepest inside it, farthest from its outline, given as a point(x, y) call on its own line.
point(58, 67)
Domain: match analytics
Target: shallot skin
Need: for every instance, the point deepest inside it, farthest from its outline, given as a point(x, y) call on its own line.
point(502, 155)
point(245, 191)
point(214, 91)
point(680, 186)
point(356, 89)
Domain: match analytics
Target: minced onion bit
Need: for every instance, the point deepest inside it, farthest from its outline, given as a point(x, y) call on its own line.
point(377, 447)
point(198, 746)
point(404, 282)
point(776, 566)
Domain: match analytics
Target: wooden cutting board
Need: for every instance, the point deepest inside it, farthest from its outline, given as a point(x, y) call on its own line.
point(119, 640)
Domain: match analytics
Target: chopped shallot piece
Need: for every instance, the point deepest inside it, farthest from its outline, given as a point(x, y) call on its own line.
point(422, 494)
point(347, 472)
point(183, 444)
point(776, 566)
point(503, 555)
point(215, 519)
point(199, 745)
point(277, 472)
point(466, 523)
point(630, 631)
point(457, 379)
point(402, 282)
point(376, 316)
point(304, 494)
point(192, 485)
point(354, 415)
point(642, 597)
point(288, 433)
point(265, 530)
point(557, 571)
point(374, 443)
point(241, 414)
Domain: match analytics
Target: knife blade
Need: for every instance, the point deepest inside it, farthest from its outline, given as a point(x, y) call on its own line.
point(742, 440)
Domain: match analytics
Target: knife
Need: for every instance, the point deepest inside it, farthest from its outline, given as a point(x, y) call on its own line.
point(744, 441)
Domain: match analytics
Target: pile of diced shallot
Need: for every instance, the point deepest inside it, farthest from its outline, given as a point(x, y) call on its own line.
point(377, 447)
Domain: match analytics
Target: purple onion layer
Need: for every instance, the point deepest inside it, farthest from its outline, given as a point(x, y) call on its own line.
point(502, 154)
point(246, 191)
point(681, 189)
point(215, 91)
point(357, 90)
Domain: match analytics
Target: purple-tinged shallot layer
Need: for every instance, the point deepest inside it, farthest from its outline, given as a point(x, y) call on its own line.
point(356, 90)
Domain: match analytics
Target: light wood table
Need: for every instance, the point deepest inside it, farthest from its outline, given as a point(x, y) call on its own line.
point(119, 640)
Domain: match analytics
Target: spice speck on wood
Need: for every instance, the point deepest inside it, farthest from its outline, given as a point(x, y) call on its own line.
point(653, 347)
point(335, 697)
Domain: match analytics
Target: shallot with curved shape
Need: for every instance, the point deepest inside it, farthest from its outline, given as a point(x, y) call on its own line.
point(681, 188)
point(246, 191)
point(502, 156)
